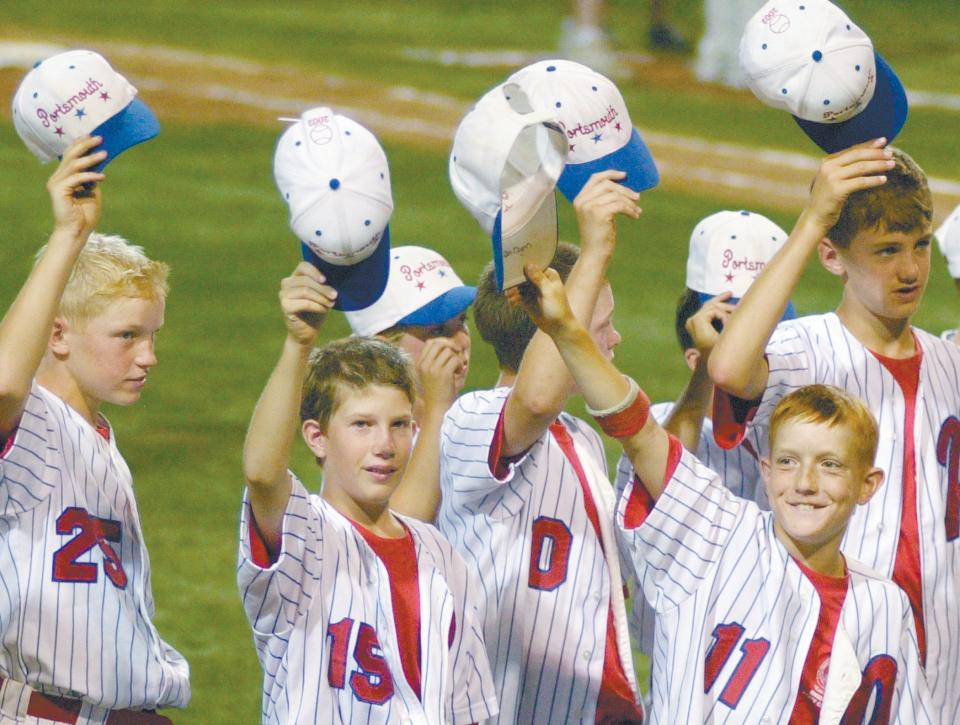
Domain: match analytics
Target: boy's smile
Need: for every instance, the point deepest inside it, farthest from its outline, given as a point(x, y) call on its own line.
point(365, 449)
point(814, 481)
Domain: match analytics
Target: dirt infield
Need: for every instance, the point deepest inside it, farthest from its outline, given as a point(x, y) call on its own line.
point(191, 87)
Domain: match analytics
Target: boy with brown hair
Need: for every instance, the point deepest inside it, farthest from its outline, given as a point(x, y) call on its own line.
point(79, 334)
point(358, 613)
point(757, 610)
point(528, 503)
point(869, 221)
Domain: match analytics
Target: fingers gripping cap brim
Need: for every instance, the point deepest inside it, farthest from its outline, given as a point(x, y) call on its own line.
point(445, 307)
point(133, 125)
point(633, 157)
point(883, 116)
point(358, 285)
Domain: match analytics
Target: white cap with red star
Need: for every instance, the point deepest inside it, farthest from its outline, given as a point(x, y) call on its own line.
point(74, 94)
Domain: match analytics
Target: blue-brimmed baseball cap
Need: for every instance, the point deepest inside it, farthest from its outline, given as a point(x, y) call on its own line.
point(883, 116)
point(728, 249)
point(76, 93)
point(594, 119)
point(504, 166)
point(813, 61)
point(423, 289)
point(333, 175)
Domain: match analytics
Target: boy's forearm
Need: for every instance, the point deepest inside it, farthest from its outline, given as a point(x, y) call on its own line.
point(737, 363)
point(686, 419)
point(273, 426)
point(543, 382)
point(602, 385)
point(26, 327)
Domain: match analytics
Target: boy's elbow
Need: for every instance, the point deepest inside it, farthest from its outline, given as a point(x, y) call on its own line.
point(728, 378)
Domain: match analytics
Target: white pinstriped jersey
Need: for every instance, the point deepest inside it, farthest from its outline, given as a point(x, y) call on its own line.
point(75, 598)
point(323, 624)
point(731, 601)
point(545, 635)
point(819, 349)
point(739, 470)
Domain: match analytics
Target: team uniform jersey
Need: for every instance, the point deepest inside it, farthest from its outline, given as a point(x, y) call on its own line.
point(323, 624)
point(739, 470)
point(547, 590)
point(819, 349)
point(736, 615)
point(75, 601)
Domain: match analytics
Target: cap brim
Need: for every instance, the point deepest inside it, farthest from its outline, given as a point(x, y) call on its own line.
point(788, 314)
point(445, 307)
point(633, 157)
point(134, 124)
point(535, 242)
point(358, 285)
point(883, 116)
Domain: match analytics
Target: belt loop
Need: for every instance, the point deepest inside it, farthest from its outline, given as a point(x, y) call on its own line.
point(14, 698)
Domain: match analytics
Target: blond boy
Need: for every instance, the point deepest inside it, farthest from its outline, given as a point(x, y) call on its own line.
point(79, 642)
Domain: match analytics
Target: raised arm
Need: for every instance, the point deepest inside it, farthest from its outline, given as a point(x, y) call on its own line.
point(25, 329)
point(543, 383)
point(418, 494)
point(605, 389)
point(686, 419)
point(305, 301)
point(737, 364)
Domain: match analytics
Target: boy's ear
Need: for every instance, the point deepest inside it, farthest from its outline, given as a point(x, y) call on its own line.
point(830, 257)
point(58, 337)
point(872, 481)
point(765, 469)
point(315, 438)
point(692, 356)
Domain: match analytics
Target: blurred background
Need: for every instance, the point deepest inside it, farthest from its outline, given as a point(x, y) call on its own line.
point(201, 196)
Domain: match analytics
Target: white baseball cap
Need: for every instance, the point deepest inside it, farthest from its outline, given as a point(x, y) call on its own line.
point(728, 250)
point(807, 57)
point(948, 237)
point(333, 174)
point(423, 289)
point(504, 165)
point(76, 93)
point(595, 122)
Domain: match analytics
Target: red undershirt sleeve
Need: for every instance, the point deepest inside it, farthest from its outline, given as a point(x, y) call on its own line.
point(641, 503)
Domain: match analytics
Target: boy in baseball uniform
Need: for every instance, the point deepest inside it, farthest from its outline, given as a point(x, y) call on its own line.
point(869, 222)
point(423, 311)
point(527, 501)
point(727, 250)
point(760, 617)
point(359, 614)
point(79, 334)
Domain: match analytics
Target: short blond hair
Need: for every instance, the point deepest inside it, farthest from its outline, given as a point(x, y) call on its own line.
point(834, 408)
point(109, 268)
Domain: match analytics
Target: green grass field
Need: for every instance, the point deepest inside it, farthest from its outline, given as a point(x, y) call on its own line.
point(202, 197)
